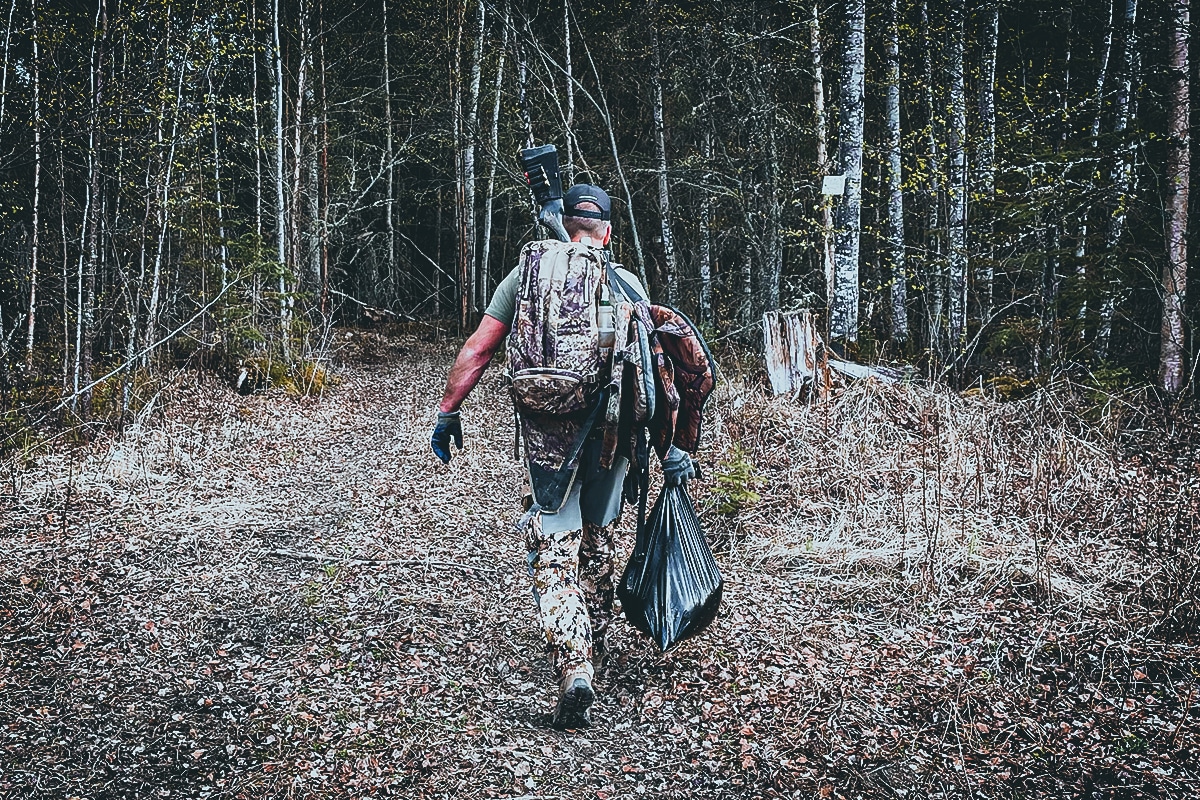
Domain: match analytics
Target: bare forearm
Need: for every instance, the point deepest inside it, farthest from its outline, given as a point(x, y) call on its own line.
point(464, 375)
point(472, 360)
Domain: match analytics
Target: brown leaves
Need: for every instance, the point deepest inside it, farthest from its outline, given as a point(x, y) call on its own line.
point(163, 621)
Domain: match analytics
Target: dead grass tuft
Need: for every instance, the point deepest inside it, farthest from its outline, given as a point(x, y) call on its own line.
point(896, 489)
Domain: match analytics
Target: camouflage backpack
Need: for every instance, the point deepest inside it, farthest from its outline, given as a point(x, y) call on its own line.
point(577, 337)
point(555, 359)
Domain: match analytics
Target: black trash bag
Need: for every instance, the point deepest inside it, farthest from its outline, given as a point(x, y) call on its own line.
point(671, 587)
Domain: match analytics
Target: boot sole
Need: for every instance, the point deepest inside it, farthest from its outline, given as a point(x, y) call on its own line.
point(572, 711)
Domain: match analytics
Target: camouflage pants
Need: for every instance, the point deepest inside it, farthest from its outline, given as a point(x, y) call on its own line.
point(572, 575)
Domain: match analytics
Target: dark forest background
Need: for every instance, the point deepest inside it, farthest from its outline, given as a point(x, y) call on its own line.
point(221, 183)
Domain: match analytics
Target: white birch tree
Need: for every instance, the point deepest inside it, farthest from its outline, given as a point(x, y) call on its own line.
point(985, 153)
point(485, 253)
point(1172, 368)
point(820, 134)
point(660, 144)
point(956, 152)
point(895, 183)
point(280, 196)
point(843, 309)
point(1121, 177)
point(35, 68)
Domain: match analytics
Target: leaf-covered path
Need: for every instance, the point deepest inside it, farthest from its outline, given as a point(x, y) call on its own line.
point(264, 597)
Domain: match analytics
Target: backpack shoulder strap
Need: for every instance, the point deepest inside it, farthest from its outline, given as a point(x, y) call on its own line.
point(626, 287)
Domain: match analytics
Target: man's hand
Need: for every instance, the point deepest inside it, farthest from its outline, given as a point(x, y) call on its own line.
point(449, 426)
point(677, 467)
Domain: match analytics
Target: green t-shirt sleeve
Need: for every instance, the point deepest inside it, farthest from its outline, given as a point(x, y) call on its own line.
point(504, 300)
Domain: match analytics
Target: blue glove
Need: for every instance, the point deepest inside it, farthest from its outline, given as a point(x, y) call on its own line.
point(677, 467)
point(448, 427)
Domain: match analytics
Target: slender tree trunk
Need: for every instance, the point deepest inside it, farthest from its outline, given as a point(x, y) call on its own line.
point(463, 272)
point(985, 154)
point(570, 121)
point(324, 171)
point(164, 193)
point(66, 265)
point(212, 101)
point(820, 133)
point(298, 231)
point(437, 257)
point(957, 154)
point(772, 272)
point(285, 316)
point(1121, 177)
point(472, 132)
point(660, 145)
point(522, 91)
point(149, 193)
point(312, 160)
point(485, 256)
point(895, 182)
point(706, 312)
point(934, 278)
point(1172, 367)
point(35, 67)
point(258, 138)
point(1081, 237)
point(389, 133)
point(256, 279)
point(747, 276)
point(1047, 349)
point(84, 328)
point(843, 311)
point(12, 7)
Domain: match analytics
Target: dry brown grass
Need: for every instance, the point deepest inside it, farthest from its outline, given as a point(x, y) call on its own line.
point(901, 488)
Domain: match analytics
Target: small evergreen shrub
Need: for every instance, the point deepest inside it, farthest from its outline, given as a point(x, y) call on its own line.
point(736, 481)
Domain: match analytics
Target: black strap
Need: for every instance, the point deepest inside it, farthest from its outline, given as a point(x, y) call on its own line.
point(642, 465)
point(583, 212)
point(626, 287)
point(587, 427)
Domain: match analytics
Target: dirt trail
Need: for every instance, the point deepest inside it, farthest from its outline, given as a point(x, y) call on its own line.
point(266, 597)
point(263, 597)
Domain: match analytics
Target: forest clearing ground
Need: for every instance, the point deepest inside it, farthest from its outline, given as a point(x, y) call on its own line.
point(269, 597)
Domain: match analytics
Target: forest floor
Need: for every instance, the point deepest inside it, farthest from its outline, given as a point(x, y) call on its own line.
point(269, 597)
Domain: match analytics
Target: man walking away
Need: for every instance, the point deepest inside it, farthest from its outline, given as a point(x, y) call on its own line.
point(571, 550)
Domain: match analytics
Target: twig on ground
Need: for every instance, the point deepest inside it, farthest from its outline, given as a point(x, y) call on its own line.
point(378, 562)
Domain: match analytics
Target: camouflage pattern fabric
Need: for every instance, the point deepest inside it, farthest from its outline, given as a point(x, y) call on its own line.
point(686, 374)
point(572, 574)
point(554, 357)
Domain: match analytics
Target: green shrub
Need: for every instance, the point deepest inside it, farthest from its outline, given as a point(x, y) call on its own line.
point(303, 378)
point(736, 480)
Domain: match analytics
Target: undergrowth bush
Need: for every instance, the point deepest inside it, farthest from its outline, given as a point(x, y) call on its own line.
point(735, 483)
point(304, 378)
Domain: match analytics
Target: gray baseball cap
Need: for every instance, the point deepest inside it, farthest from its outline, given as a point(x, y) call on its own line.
point(587, 193)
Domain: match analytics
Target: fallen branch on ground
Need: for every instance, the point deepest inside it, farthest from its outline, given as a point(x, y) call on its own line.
point(377, 562)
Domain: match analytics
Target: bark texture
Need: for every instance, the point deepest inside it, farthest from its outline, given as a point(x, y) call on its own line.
point(843, 312)
point(1172, 370)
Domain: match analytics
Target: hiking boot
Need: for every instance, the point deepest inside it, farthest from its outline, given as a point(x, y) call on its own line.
point(574, 700)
